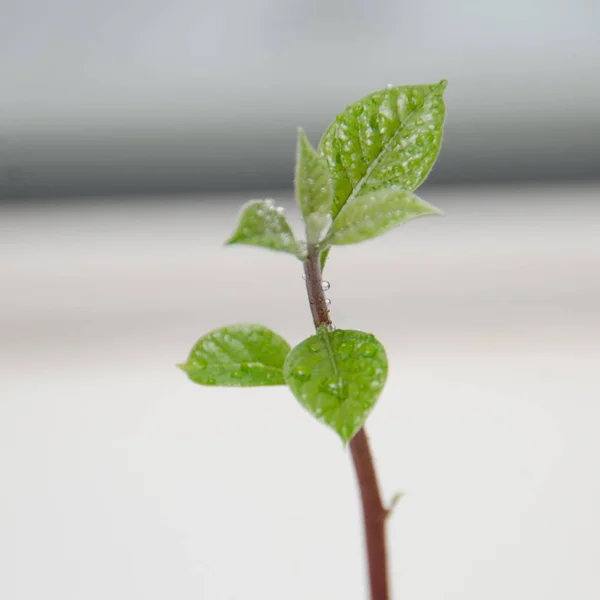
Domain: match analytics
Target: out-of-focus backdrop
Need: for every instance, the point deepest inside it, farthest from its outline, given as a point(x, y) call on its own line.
point(130, 134)
point(147, 96)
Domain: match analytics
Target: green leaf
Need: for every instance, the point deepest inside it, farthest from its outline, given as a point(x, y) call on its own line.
point(261, 223)
point(390, 137)
point(371, 215)
point(238, 355)
point(337, 376)
point(314, 190)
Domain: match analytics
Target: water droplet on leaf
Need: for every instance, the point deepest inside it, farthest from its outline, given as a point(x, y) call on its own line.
point(301, 374)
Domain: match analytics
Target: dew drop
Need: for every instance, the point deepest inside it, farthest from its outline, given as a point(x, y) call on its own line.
point(390, 86)
point(280, 210)
point(328, 301)
point(301, 375)
point(325, 285)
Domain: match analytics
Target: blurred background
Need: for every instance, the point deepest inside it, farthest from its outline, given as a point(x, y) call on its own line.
point(130, 134)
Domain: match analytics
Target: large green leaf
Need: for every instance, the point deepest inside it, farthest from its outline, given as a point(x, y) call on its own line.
point(314, 190)
point(261, 223)
point(338, 376)
point(390, 137)
point(371, 215)
point(238, 355)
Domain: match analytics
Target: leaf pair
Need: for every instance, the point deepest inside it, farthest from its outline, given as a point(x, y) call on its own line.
point(359, 183)
point(336, 375)
point(261, 223)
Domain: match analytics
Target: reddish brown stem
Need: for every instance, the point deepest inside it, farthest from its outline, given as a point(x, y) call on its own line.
point(374, 513)
point(316, 296)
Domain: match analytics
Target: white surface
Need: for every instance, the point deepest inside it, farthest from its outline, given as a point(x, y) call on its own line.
point(120, 479)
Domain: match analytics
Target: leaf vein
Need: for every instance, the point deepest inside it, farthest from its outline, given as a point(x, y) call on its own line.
point(385, 149)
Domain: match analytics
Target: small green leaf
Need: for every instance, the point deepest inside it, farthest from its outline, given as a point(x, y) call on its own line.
point(238, 355)
point(314, 190)
point(261, 223)
point(390, 137)
point(337, 376)
point(371, 215)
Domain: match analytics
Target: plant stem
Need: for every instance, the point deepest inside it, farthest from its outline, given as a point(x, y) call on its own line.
point(374, 513)
point(316, 296)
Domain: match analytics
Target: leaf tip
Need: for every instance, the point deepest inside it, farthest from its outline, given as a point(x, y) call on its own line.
point(435, 211)
point(346, 435)
point(347, 432)
point(182, 366)
point(442, 85)
point(303, 143)
point(429, 209)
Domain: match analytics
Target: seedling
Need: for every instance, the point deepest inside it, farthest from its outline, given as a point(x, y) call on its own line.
point(357, 185)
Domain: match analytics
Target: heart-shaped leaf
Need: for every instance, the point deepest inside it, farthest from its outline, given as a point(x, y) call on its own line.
point(314, 190)
point(371, 215)
point(238, 355)
point(338, 376)
point(261, 223)
point(390, 137)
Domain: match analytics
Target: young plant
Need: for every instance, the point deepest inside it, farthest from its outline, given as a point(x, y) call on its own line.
point(356, 186)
